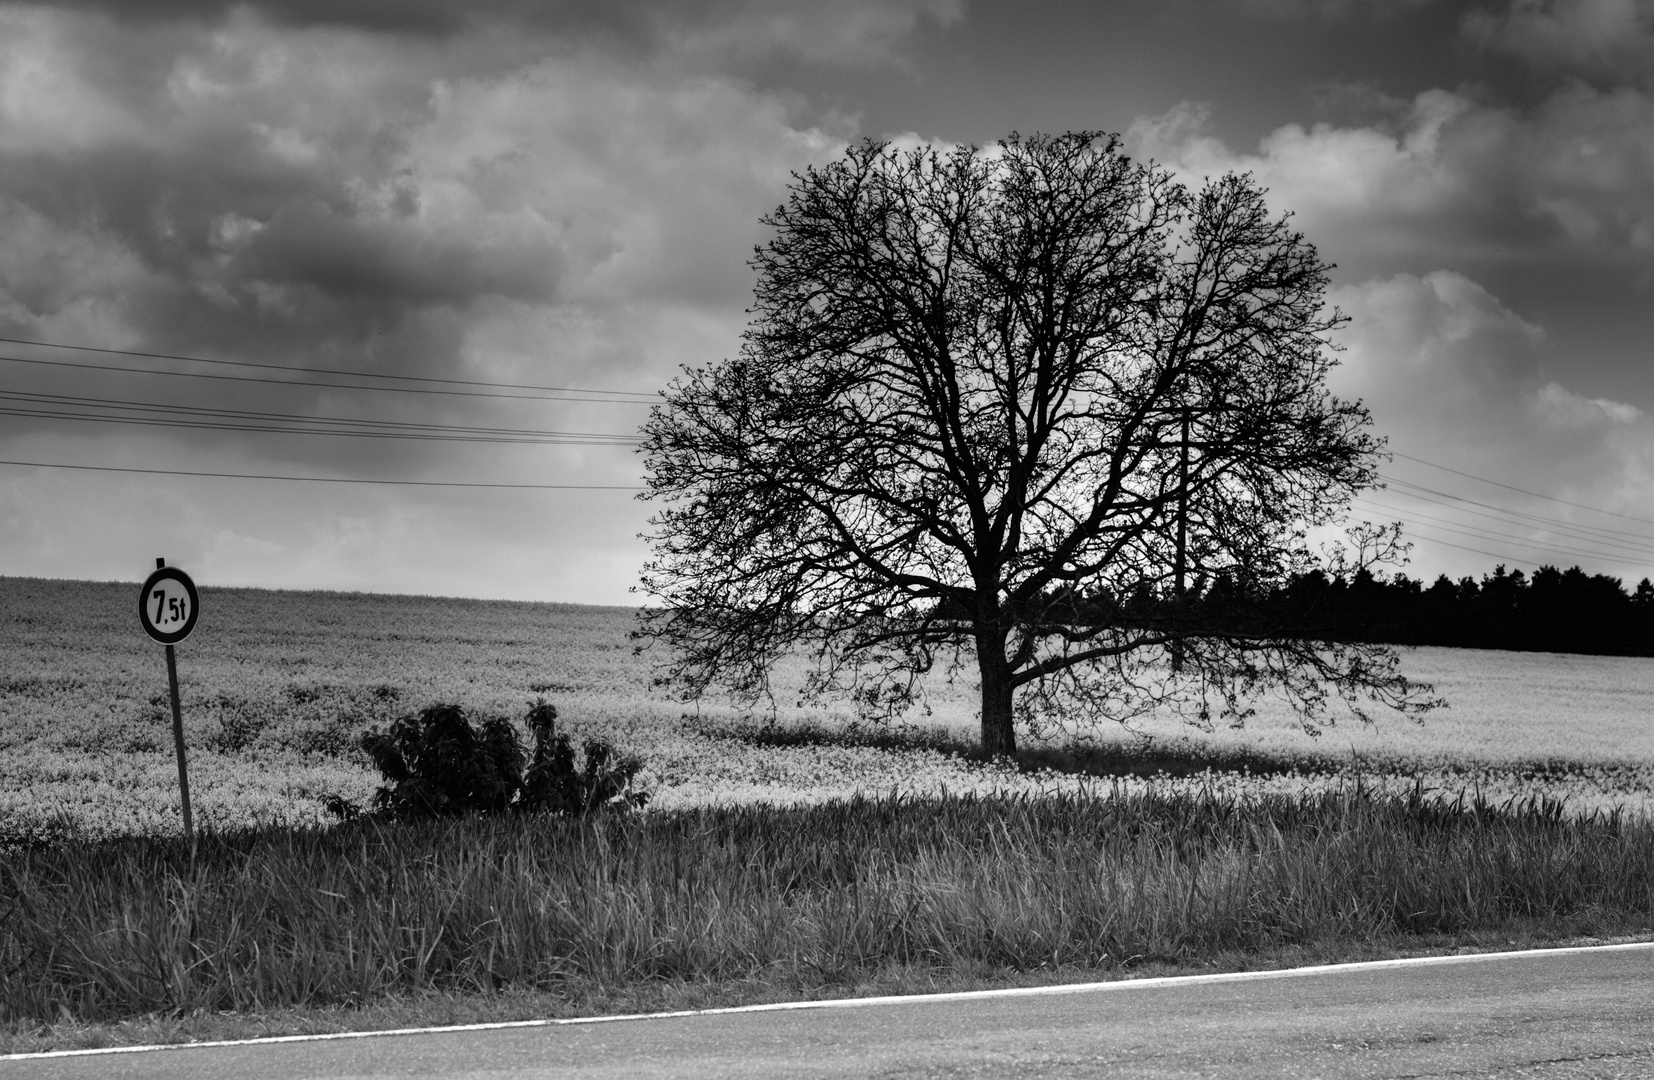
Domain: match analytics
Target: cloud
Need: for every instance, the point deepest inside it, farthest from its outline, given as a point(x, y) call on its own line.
point(1588, 162)
point(1453, 376)
point(1330, 9)
point(279, 192)
point(842, 32)
point(1495, 262)
point(1362, 192)
point(1436, 354)
point(1456, 180)
point(255, 187)
point(1561, 407)
point(1611, 39)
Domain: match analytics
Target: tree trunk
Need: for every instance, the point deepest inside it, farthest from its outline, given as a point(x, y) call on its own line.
point(998, 734)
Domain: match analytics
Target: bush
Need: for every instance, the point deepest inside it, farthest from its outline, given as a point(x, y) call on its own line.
point(554, 784)
point(440, 764)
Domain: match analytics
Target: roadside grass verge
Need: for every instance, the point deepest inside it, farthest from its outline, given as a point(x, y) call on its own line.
point(722, 903)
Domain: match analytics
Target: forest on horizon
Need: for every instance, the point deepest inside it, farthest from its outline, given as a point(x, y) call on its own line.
point(1551, 610)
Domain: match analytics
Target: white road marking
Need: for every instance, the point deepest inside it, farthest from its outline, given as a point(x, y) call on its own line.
point(852, 1003)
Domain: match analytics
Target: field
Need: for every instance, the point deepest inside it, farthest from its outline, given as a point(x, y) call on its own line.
point(277, 687)
point(785, 856)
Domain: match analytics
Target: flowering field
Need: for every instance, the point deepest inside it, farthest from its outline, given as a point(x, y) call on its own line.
point(277, 686)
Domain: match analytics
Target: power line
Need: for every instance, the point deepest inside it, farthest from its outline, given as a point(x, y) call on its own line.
point(1478, 551)
point(207, 425)
point(1643, 546)
point(1593, 532)
point(125, 370)
point(1476, 533)
point(1569, 530)
point(236, 420)
point(1502, 556)
point(325, 371)
point(330, 479)
point(1524, 491)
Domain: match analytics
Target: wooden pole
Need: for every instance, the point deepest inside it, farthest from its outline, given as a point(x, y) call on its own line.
point(1180, 586)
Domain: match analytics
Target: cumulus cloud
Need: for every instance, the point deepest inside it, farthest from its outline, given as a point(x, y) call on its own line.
point(1365, 193)
point(1456, 179)
point(1437, 358)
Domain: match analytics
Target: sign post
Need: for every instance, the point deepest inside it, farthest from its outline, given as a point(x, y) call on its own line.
point(167, 607)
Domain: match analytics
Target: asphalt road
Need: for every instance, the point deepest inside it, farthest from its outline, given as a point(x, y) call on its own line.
point(1575, 1013)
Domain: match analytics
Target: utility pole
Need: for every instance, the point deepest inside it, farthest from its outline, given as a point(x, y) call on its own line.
point(1180, 570)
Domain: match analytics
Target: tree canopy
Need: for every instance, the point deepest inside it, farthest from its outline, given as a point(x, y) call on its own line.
point(1037, 405)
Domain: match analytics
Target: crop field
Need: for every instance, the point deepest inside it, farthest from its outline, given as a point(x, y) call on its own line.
point(794, 854)
point(278, 686)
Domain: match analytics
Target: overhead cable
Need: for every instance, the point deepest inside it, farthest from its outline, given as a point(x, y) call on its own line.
point(355, 374)
point(302, 384)
point(330, 479)
point(1476, 533)
point(1645, 548)
point(1413, 489)
point(238, 419)
point(1524, 491)
point(272, 429)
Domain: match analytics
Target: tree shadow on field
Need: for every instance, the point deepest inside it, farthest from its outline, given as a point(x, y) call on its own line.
point(1145, 758)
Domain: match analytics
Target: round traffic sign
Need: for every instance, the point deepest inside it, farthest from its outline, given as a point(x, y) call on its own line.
point(168, 605)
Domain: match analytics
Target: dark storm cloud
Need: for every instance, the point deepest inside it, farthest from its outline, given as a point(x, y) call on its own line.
point(340, 255)
point(839, 31)
point(459, 208)
point(255, 159)
point(614, 19)
point(1332, 9)
point(1603, 41)
point(262, 171)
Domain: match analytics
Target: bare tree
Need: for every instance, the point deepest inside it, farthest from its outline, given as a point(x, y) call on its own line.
point(1039, 403)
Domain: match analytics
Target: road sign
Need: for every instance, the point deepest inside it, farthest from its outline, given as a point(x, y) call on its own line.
point(168, 605)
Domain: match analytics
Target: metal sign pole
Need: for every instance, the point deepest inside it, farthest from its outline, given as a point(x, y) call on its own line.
point(178, 742)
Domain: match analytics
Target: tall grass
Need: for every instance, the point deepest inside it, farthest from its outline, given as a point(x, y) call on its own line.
point(807, 895)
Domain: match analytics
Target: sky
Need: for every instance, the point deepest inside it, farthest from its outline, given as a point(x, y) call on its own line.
point(509, 223)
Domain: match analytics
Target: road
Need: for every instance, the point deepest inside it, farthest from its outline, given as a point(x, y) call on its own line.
point(1560, 1014)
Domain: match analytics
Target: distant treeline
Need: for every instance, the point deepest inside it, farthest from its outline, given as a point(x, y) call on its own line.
point(1551, 611)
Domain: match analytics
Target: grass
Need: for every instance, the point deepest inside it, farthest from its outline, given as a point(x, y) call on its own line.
point(802, 901)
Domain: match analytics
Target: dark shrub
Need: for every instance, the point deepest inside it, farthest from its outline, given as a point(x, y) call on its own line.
point(440, 764)
point(554, 784)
